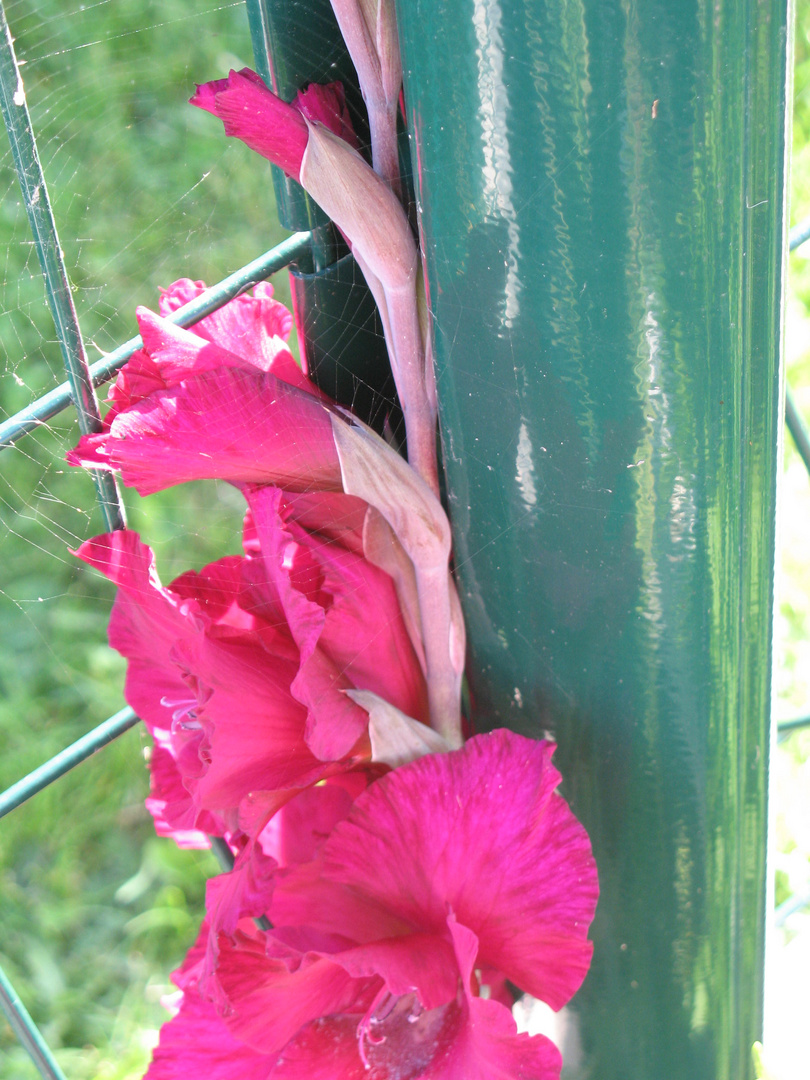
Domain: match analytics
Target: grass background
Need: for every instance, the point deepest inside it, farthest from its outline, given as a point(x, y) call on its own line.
point(94, 909)
point(788, 965)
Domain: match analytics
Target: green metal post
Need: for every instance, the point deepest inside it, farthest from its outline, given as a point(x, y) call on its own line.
point(601, 186)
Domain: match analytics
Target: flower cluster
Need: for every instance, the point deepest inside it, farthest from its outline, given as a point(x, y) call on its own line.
point(286, 692)
point(390, 882)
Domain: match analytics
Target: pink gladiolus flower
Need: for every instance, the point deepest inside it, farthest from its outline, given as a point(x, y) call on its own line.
point(452, 866)
point(229, 402)
point(240, 671)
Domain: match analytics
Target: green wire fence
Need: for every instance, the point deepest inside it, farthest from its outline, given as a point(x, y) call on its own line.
point(312, 247)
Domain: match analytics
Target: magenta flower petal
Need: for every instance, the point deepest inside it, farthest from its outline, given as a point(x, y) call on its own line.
point(170, 804)
point(178, 353)
point(244, 891)
point(421, 963)
point(487, 1046)
point(297, 832)
point(146, 624)
point(233, 337)
point(327, 105)
point(284, 367)
point(197, 1042)
point(276, 998)
point(331, 515)
point(424, 839)
point(254, 728)
point(205, 94)
point(224, 424)
point(213, 677)
point(298, 585)
point(345, 618)
point(251, 112)
point(139, 377)
point(245, 325)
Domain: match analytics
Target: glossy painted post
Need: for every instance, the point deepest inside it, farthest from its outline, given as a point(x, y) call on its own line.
point(601, 187)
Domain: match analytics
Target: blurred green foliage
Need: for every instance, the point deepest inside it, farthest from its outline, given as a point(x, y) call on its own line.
point(788, 1047)
point(793, 668)
point(95, 911)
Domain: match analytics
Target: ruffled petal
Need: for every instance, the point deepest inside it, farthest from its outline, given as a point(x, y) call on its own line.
point(170, 803)
point(344, 615)
point(271, 1001)
point(197, 1042)
point(246, 325)
point(224, 424)
point(334, 723)
point(479, 831)
point(244, 891)
point(147, 623)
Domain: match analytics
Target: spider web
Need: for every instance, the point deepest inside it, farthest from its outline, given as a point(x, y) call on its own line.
point(145, 190)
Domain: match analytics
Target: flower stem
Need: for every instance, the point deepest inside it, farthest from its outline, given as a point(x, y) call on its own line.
point(382, 120)
point(408, 364)
point(443, 679)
